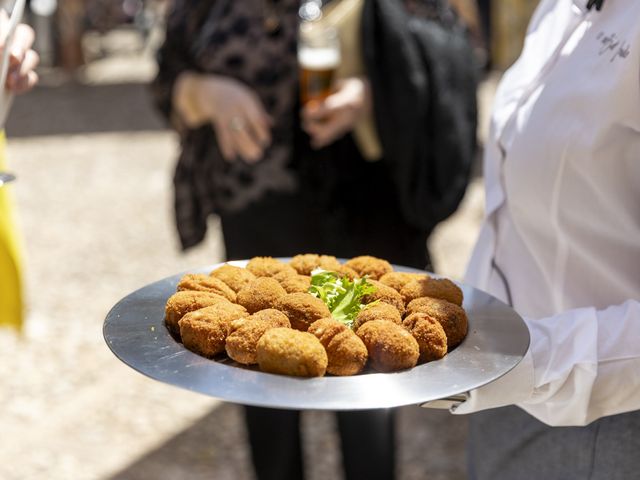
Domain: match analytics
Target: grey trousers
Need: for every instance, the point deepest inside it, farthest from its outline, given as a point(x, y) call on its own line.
point(509, 444)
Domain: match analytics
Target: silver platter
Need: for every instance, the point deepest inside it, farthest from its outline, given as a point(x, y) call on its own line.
point(135, 332)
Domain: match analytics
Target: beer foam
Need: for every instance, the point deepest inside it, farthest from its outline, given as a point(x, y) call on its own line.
point(318, 58)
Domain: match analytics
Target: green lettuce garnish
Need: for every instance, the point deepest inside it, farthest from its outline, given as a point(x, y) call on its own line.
point(342, 295)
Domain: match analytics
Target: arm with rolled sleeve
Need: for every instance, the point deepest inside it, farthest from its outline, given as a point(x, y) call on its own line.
point(582, 364)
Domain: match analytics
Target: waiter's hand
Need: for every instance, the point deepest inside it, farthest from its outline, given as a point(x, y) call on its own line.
point(241, 124)
point(328, 120)
point(23, 60)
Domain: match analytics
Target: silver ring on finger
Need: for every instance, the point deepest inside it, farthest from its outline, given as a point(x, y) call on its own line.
point(237, 124)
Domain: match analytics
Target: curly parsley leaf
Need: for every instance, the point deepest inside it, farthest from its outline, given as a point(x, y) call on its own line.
point(342, 295)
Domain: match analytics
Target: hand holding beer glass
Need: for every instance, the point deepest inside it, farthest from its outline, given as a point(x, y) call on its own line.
point(330, 107)
point(318, 58)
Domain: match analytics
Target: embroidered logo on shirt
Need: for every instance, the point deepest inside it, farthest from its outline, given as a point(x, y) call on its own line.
point(611, 44)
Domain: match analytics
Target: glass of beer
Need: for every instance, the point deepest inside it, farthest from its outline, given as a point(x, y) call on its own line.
point(318, 59)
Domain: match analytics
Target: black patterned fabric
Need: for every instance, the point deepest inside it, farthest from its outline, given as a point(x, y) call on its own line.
point(228, 37)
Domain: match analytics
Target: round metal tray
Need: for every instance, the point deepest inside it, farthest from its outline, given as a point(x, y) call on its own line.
point(135, 332)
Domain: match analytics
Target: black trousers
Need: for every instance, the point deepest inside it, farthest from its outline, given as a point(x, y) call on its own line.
point(367, 440)
point(344, 207)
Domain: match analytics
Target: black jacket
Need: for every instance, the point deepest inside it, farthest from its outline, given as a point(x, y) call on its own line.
point(423, 77)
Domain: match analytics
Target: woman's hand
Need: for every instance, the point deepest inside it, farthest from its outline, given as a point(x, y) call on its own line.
point(21, 75)
point(330, 119)
point(241, 124)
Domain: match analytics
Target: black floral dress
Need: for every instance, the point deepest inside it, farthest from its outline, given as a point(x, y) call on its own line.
point(239, 39)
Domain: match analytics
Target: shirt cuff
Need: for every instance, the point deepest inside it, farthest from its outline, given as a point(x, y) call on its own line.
point(516, 386)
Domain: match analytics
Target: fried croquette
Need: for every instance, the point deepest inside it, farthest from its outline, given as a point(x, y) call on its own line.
point(241, 344)
point(270, 315)
point(345, 271)
point(268, 266)
point(397, 280)
point(265, 314)
point(302, 309)
point(326, 328)
point(367, 265)
point(430, 335)
point(185, 301)
point(306, 263)
point(290, 352)
point(261, 293)
point(206, 283)
point(451, 316)
point(390, 346)
point(432, 287)
point(293, 282)
point(385, 294)
point(205, 331)
point(223, 311)
point(378, 311)
point(233, 276)
point(346, 353)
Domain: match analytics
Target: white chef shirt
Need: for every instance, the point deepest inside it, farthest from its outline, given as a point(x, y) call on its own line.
point(561, 237)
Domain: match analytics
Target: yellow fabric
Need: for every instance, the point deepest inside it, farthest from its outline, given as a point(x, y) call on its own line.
point(11, 313)
point(346, 16)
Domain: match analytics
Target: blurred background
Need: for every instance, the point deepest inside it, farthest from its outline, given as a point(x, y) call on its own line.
point(93, 198)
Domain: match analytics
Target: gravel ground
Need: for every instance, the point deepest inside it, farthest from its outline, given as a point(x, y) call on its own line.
point(93, 196)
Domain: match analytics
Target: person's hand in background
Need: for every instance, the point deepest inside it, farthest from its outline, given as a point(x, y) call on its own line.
point(23, 60)
point(328, 120)
point(241, 124)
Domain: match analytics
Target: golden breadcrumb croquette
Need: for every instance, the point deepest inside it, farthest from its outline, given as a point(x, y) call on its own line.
point(205, 331)
point(270, 315)
point(379, 311)
point(241, 344)
point(185, 301)
point(345, 271)
point(261, 293)
point(432, 287)
point(326, 328)
point(390, 346)
point(290, 352)
point(385, 294)
point(268, 266)
point(265, 314)
point(293, 282)
point(367, 265)
point(302, 309)
point(206, 283)
point(346, 353)
point(451, 316)
point(235, 277)
point(203, 337)
point(223, 311)
point(430, 336)
point(397, 280)
point(306, 263)
point(329, 262)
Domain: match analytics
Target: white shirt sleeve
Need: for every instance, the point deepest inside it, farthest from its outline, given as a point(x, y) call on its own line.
point(582, 364)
